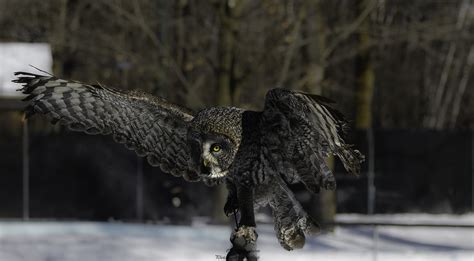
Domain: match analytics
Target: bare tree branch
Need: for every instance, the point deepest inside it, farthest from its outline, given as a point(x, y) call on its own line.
point(142, 24)
point(462, 87)
point(295, 38)
point(435, 119)
point(350, 29)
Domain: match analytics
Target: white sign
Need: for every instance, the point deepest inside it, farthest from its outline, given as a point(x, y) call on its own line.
point(18, 57)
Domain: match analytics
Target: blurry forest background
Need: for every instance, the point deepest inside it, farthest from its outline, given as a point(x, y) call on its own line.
point(400, 70)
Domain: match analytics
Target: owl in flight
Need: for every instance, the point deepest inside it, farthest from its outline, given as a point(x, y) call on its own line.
point(256, 153)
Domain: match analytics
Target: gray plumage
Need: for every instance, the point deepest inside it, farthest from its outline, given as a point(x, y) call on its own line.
point(261, 152)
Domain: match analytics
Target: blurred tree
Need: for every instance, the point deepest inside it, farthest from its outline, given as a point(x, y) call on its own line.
point(365, 76)
point(364, 71)
point(202, 53)
point(314, 29)
point(228, 14)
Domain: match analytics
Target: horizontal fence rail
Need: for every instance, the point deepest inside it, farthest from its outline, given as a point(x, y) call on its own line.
point(394, 224)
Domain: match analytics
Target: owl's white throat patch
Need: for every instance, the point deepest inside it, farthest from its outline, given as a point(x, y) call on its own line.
point(216, 173)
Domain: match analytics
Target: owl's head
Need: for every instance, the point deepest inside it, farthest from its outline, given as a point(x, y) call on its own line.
point(212, 154)
point(214, 140)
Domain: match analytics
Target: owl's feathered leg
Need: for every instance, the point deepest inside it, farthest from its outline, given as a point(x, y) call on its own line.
point(292, 223)
point(244, 238)
point(328, 181)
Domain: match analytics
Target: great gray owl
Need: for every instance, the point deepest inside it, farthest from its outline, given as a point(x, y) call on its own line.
point(257, 154)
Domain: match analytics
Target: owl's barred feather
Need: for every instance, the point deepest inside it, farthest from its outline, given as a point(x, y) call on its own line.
point(258, 153)
point(310, 130)
point(300, 131)
point(292, 223)
point(149, 125)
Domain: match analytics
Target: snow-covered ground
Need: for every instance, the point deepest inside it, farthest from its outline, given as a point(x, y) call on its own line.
point(91, 241)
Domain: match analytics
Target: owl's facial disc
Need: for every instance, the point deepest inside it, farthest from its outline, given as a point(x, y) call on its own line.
point(212, 152)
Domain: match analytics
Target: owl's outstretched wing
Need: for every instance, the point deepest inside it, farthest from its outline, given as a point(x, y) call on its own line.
point(301, 130)
point(149, 125)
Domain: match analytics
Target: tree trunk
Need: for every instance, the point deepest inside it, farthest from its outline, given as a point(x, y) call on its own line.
point(364, 93)
point(322, 206)
point(227, 34)
point(59, 40)
point(365, 85)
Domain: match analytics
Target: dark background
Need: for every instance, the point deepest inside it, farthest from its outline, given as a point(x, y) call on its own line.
point(74, 176)
point(401, 70)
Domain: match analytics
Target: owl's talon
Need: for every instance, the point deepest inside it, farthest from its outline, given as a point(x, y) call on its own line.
point(244, 244)
point(308, 226)
point(244, 238)
point(229, 213)
point(230, 208)
point(291, 238)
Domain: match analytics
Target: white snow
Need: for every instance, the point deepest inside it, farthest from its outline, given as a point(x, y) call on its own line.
point(18, 57)
point(94, 241)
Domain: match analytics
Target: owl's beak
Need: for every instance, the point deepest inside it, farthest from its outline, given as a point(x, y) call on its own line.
point(205, 162)
point(205, 167)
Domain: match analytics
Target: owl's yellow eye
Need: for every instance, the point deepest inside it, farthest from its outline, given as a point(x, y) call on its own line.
point(216, 148)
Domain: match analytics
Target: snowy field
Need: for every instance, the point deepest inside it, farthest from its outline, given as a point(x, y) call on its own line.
point(91, 241)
